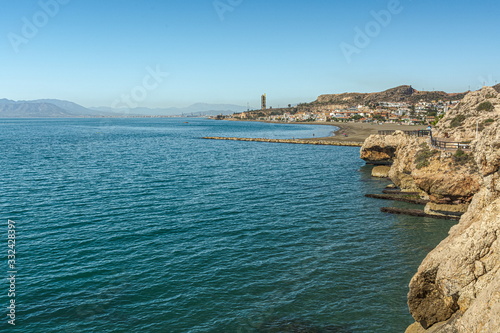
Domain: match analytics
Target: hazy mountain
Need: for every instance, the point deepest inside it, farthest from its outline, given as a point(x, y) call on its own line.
point(198, 109)
point(45, 108)
point(70, 107)
point(54, 108)
point(11, 109)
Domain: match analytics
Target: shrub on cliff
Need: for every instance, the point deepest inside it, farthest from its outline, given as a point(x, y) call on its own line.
point(485, 106)
point(423, 156)
point(457, 121)
point(485, 124)
point(460, 157)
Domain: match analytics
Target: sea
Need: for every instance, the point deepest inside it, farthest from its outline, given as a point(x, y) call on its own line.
point(141, 225)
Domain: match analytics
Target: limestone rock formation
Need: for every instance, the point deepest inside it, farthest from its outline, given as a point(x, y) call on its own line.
point(403, 166)
point(476, 112)
point(381, 149)
point(381, 171)
point(457, 286)
point(447, 182)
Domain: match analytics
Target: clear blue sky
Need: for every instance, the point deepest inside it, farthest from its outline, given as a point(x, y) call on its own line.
point(94, 52)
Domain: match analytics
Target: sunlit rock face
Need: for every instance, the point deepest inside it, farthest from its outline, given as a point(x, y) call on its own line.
point(381, 149)
point(476, 112)
point(457, 286)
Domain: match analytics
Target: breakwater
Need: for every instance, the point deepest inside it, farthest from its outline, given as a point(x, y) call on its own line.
point(416, 212)
point(292, 141)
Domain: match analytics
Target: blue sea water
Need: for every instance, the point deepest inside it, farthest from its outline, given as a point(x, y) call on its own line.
point(139, 225)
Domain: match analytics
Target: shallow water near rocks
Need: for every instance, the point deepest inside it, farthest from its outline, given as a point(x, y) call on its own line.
point(139, 225)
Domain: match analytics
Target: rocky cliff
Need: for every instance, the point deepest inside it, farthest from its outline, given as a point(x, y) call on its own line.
point(457, 286)
point(381, 149)
point(448, 180)
point(479, 110)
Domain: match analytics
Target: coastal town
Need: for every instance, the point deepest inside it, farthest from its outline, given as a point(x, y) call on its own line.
point(393, 108)
point(385, 112)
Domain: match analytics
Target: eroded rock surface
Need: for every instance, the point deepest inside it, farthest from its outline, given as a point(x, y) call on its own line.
point(477, 111)
point(457, 286)
point(381, 171)
point(381, 149)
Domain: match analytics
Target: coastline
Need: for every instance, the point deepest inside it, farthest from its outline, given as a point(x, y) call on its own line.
point(356, 132)
point(359, 132)
point(455, 288)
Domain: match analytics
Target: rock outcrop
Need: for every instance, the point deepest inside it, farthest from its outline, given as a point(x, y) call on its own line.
point(457, 286)
point(381, 171)
point(477, 111)
point(439, 176)
point(381, 149)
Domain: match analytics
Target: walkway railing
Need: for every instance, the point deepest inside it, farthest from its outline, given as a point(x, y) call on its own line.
point(421, 133)
point(436, 143)
point(446, 145)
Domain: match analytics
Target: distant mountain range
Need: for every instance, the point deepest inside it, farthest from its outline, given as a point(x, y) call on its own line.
point(198, 109)
point(46, 108)
point(54, 108)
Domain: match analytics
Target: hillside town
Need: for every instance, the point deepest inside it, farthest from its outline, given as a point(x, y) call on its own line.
point(383, 112)
point(400, 105)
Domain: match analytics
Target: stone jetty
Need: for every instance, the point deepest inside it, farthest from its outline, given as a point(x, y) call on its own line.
point(292, 141)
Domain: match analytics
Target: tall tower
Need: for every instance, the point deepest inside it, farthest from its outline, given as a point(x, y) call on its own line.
point(264, 102)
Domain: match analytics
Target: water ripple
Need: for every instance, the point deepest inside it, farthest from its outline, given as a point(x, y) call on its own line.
point(139, 225)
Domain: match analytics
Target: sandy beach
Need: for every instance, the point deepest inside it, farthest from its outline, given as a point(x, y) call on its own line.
point(350, 132)
point(358, 132)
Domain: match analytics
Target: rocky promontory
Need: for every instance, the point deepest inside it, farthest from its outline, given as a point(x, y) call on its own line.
point(457, 286)
point(381, 149)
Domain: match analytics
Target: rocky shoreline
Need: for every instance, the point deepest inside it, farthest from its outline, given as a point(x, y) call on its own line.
point(457, 286)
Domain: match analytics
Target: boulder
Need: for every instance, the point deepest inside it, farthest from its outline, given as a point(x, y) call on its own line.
point(381, 171)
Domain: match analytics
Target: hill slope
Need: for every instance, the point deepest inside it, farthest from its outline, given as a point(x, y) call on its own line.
point(399, 94)
point(45, 108)
point(11, 109)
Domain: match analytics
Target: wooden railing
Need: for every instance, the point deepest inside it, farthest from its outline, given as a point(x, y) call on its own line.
point(446, 145)
point(421, 133)
point(436, 143)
